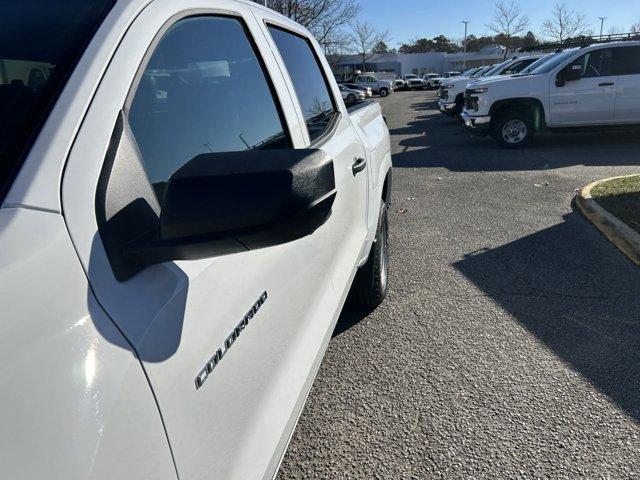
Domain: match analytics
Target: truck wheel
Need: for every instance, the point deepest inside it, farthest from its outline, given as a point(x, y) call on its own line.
point(384, 92)
point(370, 284)
point(459, 105)
point(351, 98)
point(513, 129)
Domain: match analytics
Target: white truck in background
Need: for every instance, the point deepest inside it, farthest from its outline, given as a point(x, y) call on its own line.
point(184, 207)
point(431, 80)
point(377, 86)
point(451, 92)
point(412, 81)
point(595, 87)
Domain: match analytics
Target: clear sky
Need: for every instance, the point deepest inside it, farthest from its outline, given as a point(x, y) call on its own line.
point(407, 19)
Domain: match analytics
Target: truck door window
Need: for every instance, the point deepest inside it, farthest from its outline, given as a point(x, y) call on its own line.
point(597, 63)
point(203, 90)
point(626, 60)
point(308, 79)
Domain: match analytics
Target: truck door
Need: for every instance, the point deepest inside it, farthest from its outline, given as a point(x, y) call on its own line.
point(627, 67)
point(229, 343)
point(589, 100)
point(327, 127)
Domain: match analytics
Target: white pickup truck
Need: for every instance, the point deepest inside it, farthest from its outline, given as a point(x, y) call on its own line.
point(412, 81)
point(377, 86)
point(185, 202)
point(451, 92)
point(596, 87)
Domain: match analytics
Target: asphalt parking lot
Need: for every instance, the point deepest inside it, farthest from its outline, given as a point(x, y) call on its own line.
point(509, 345)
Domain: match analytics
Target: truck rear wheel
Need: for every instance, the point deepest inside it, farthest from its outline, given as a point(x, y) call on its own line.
point(513, 129)
point(370, 284)
point(384, 92)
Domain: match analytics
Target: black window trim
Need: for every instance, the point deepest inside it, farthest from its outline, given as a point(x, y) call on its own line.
point(337, 113)
point(202, 13)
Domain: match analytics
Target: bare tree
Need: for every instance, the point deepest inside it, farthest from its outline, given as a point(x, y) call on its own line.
point(364, 38)
point(565, 24)
point(508, 21)
point(322, 17)
point(635, 28)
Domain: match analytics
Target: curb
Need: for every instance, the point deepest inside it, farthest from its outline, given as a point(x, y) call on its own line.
point(622, 236)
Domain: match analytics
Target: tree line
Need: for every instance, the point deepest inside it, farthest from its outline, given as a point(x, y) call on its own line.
point(335, 25)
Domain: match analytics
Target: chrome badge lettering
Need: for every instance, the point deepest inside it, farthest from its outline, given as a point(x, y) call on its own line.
point(229, 341)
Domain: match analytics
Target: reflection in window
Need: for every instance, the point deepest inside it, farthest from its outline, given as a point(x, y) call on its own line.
point(308, 80)
point(596, 63)
point(203, 91)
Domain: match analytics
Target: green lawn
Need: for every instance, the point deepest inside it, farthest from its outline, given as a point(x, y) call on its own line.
point(621, 197)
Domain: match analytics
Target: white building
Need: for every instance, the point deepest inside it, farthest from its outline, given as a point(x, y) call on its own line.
point(419, 63)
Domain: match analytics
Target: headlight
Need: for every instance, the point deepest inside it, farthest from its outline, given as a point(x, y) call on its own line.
point(479, 90)
point(447, 87)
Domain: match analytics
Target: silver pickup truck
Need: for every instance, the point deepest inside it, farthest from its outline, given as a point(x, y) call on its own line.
point(379, 87)
point(185, 203)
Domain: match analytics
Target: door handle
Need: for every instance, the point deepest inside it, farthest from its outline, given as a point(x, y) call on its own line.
point(606, 84)
point(358, 165)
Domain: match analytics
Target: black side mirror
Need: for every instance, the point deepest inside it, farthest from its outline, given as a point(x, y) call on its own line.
point(570, 73)
point(216, 204)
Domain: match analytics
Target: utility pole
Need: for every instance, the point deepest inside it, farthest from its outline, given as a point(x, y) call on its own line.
point(464, 58)
point(602, 19)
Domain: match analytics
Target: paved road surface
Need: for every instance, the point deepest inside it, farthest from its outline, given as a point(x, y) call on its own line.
point(509, 346)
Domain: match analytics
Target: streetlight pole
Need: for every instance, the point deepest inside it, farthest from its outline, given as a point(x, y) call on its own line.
point(602, 19)
point(464, 58)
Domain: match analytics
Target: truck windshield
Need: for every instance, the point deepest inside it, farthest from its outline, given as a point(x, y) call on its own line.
point(40, 44)
point(497, 69)
point(556, 60)
point(536, 64)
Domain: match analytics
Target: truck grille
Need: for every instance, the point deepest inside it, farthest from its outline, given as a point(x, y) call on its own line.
point(443, 94)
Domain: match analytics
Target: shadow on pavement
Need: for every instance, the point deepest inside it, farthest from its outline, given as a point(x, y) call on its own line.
point(436, 140)
point(351, 315)
point(576, 294)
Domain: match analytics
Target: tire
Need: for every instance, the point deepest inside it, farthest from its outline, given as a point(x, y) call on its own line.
point(513, 129)
point(459, 105)
point(351, 99)
point(384, 92)
point(371, 282)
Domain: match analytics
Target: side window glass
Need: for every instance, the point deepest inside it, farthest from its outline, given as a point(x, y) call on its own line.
point(308, 80)
point(597, 63)
point(203, 90)
point(627, 60)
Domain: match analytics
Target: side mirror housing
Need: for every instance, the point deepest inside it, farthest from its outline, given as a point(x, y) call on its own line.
point(215, 204)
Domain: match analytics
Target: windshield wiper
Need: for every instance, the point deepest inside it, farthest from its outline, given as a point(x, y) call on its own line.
point(321, 117)
point(267, 141)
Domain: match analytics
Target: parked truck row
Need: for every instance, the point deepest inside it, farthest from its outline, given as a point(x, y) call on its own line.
point(590, 87)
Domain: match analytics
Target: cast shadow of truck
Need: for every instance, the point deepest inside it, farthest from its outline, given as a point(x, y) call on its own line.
point(578, 295)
